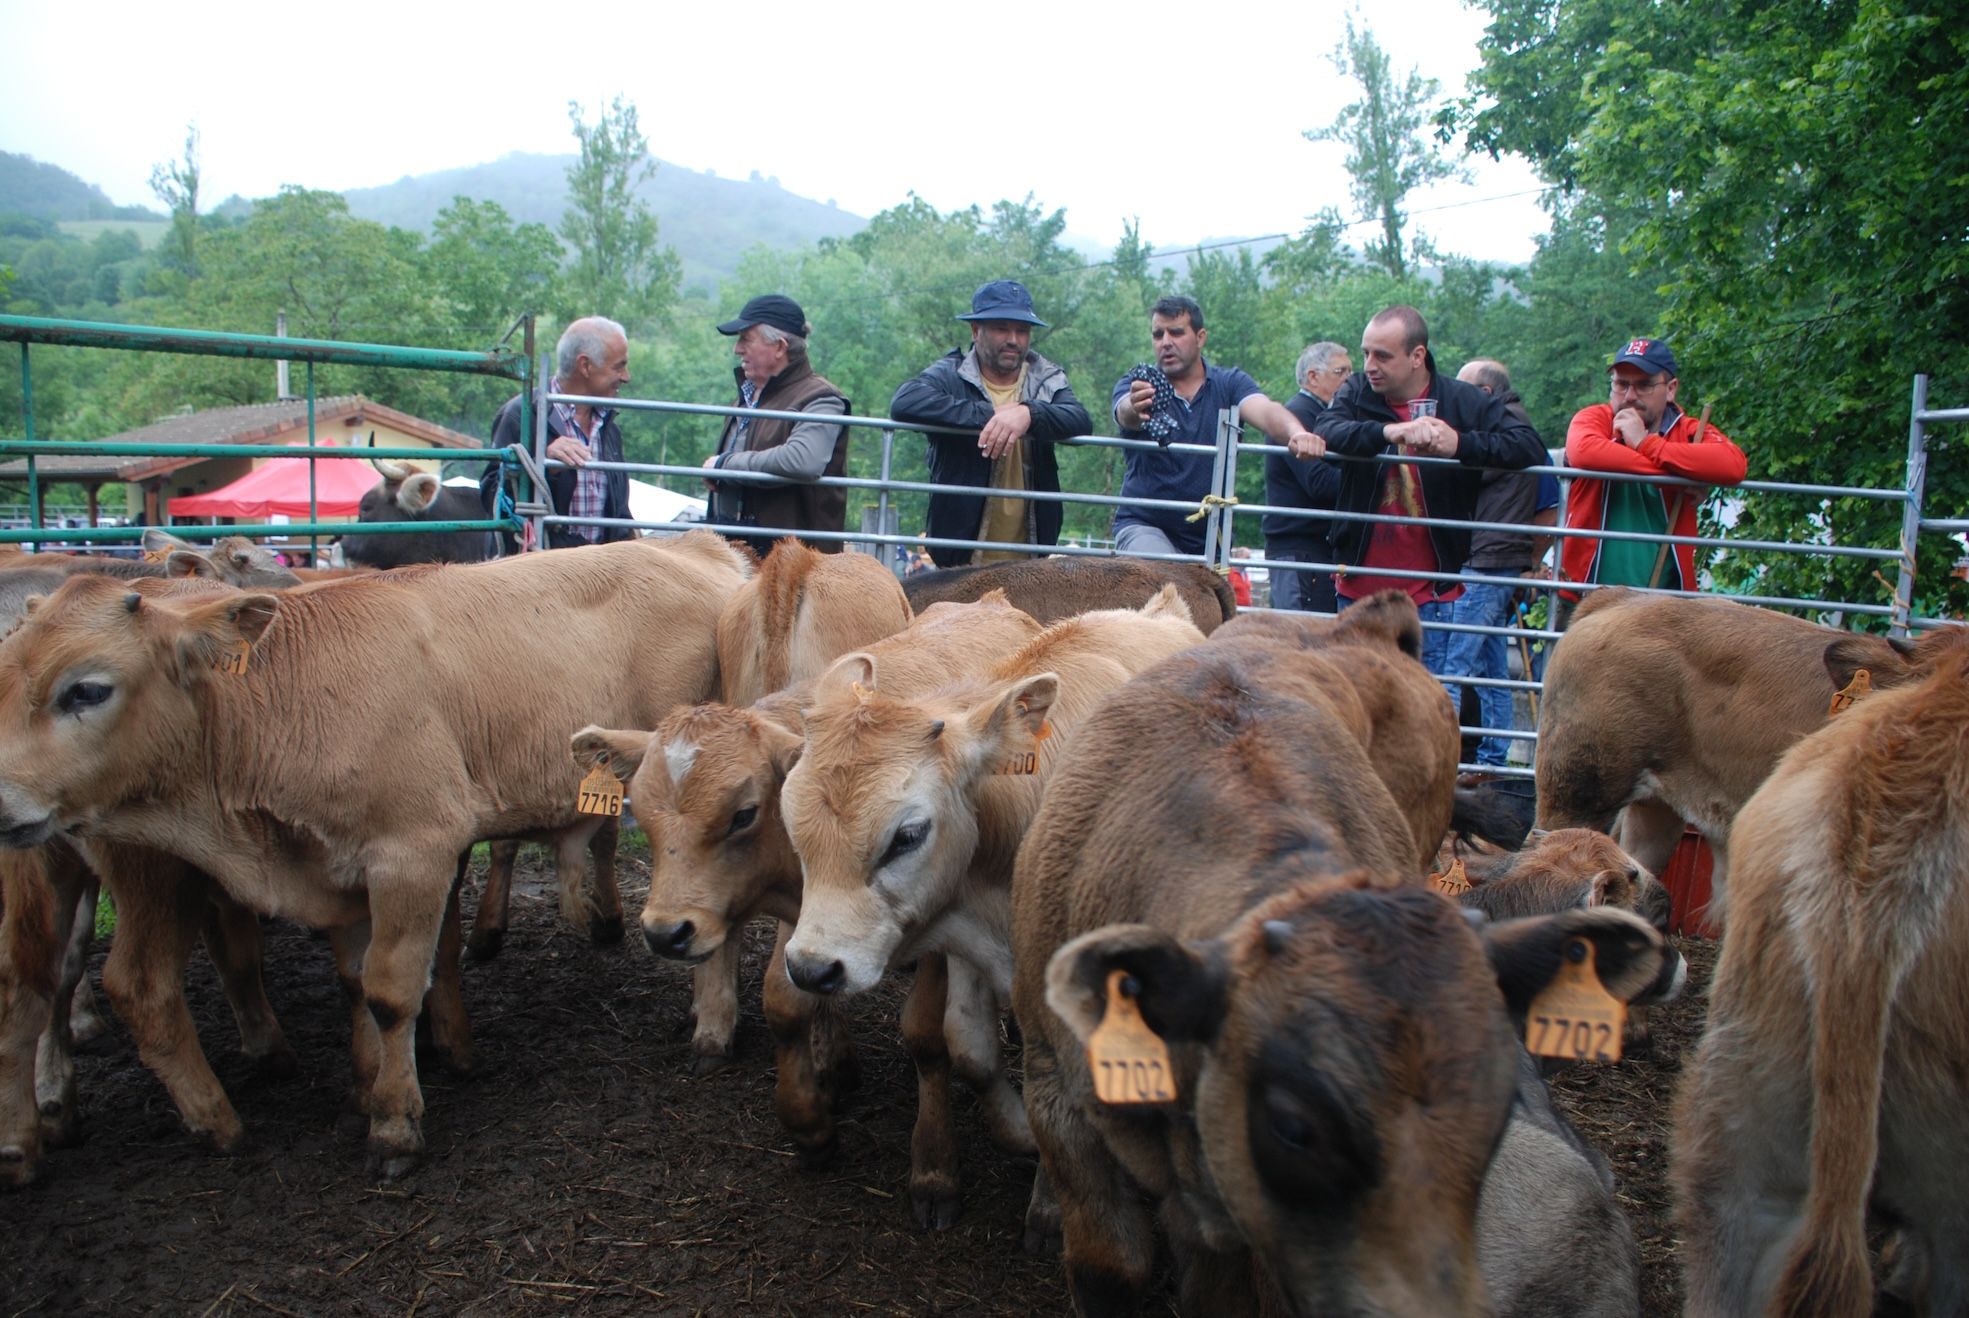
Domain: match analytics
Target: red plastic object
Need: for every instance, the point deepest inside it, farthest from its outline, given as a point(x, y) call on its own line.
point(1687, 881)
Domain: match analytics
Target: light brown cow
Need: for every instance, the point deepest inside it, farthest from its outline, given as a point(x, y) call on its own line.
point(1054, 589)
point(800, 612)
point(1343, 1062)
point(1829, 1084)
point(1676, 709)
point(30, 956)
point(340, 777)
point(706, 788)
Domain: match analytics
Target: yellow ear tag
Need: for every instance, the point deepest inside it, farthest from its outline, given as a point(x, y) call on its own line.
point(1452, 882)
point(233, 661)
point(157, 555)
point(1129, 1061)
point(1575, 1017)
point(862, 693)
point(1849, 695)
point(1024, 762)
point(600, 792)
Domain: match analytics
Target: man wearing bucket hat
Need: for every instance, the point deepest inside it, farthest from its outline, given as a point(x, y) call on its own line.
point(774, 375)
point(1640, 430)
point(1017, 403)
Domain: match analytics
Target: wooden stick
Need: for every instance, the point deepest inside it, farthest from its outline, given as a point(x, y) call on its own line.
point(1675, 510)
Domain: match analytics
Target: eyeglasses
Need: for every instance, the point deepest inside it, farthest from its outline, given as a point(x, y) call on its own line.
point(1643, 386)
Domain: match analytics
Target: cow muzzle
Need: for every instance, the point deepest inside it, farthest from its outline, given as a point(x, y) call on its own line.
point(817, 975)
point(676, 940)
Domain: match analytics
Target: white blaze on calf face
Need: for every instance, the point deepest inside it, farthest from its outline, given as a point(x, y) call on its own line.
point(679, 756)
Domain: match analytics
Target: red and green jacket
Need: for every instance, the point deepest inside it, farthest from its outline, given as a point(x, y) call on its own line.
point(1596, 505)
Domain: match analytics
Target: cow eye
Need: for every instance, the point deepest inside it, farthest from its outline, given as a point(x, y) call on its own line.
point(906, 839)
point(1288, 1119)
point(743, 820)
point(78, 696)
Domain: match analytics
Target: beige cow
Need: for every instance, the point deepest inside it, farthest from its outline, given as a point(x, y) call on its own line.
point(1674, 710)
point(1054, 589)
point(706, 787)
point(1829, 1087)
point(367, 744)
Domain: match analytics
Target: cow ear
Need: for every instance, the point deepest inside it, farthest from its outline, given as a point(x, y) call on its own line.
point(1011, 723)
point(625, 749)
point(1167, 603)
point(418, 492)
point(1847, 655)
point(1388, 615)
point(211, 629)
point(156, 541)
point(189, 563)
point(1179, 987)
point(1527, 954)
point(783, 745)
point(844, 675)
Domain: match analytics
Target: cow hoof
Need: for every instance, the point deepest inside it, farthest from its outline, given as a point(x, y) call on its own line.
point(395, 1147)
point(484, 944)
point(391, 1166)
point(279, 1064)
point(461, 1059)
point(934, 1211)
point(703, 1064)
point(605, 932)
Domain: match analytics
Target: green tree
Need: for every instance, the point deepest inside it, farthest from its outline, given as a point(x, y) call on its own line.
point(620, 268)
point(175, 183)
point(1792, 188)
point(1389, 154)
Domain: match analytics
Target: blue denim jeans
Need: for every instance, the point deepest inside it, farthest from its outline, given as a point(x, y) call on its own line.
point(1474, 654)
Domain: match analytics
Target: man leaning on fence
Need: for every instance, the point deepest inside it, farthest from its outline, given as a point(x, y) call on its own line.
point(1309, 484)
point(1641, 430)
point(775, 375)
point(1176, 402)
point(1376, 415)
point(1018, 403)
point(591, 360)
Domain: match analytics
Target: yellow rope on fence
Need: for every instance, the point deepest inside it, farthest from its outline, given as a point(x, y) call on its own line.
point(1211, 501)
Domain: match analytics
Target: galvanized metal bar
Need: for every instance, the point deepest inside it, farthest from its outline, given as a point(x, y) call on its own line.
point(1945, 414)
point(212, 343)
point(27, 422)
point(1917, 479)
point(51, 447)
point(882, 499)
point(314, 507)
point(543, 497)
point(1946, 526)
point(111, 534)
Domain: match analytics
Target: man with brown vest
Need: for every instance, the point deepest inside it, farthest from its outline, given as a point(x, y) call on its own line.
point(774, 375)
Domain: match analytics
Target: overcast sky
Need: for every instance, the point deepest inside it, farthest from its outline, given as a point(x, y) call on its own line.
point(1186, 116)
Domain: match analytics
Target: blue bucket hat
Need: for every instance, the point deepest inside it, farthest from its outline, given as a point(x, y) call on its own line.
point(1003, 299)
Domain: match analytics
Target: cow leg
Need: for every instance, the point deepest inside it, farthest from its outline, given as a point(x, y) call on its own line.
point(605, 929)
point(233, 941)
point(76, 889)
point(1106, 1235)
point(489, 924)
point(405, 928)
point(159, 910)
point(798, 1097)
point(351, 945)
point(30, 951)
point(971, 1027)
point(444, 1001)
point(85, 1017)
point(714, 1003)
point(933, 1184)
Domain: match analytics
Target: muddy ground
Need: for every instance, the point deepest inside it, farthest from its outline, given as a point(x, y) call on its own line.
point(583, 1169)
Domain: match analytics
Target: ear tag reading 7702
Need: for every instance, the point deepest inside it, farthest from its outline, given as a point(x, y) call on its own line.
point(1575, 1017)
point(600, 792)
point(1129, 1061)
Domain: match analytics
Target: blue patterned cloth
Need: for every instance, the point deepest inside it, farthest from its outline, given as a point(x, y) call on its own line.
point(1162, 423)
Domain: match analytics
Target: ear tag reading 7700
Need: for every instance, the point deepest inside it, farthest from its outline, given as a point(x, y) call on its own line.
point(232, 660)
point(1849, 695)
point(600, 792)
point(1129, 1061)
point(1023, 762)
point(1452, 882)
point(1575, 1017)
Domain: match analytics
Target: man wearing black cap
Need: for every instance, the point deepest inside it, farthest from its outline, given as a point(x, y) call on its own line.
point(1640, 430)
point(1018, 403)
point(774, 375)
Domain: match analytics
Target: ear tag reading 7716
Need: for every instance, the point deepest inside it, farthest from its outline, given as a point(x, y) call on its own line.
point(1129, 1061)
point(1575, 1017)
point(600, 792)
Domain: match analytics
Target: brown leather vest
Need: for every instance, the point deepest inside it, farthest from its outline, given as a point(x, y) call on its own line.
point(795, 507)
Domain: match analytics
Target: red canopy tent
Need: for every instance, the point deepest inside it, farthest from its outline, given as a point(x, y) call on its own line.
point(280, 485)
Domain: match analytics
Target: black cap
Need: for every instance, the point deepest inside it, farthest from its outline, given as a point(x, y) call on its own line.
point(775, 309)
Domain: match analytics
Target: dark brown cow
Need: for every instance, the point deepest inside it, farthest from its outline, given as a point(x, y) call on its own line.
point(1054, 588)
point(1344, 1064)
point(408, 494)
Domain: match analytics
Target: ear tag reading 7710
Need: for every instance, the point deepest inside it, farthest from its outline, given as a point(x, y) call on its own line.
point(1575, 1017)
point(600, 792)
point(1452, 882)
point(1129, 1061)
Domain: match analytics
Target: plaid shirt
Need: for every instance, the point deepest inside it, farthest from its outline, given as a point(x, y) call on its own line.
point(590, 486)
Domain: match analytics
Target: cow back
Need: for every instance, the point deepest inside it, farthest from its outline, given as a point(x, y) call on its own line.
point(1051, 589)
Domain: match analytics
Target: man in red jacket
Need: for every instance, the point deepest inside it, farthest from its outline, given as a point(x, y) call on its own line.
point(1640, 430)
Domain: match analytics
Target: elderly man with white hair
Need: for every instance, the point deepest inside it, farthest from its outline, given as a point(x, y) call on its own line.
point(592, 361)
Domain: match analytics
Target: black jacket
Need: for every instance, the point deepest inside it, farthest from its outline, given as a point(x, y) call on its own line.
point(1300, 483)
point(1489, 437)
point(560, 480)
point(948, 394)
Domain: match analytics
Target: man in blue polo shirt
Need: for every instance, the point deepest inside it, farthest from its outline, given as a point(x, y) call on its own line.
point(1186, 414)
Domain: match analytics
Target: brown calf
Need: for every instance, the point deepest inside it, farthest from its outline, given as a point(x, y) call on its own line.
point(1052, 589)
point(1829, 1084)
point(800, 612)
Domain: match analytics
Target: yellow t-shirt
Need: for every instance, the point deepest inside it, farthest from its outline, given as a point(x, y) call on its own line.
point(1005, 519)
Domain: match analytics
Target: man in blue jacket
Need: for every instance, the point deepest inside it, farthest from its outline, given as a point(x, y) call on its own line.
point(1182, 409)
point(1398, 405)
point(1017, 403)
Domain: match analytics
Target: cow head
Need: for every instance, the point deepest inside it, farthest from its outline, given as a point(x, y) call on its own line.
point(883, 810)
point(1352, 1068)
point(99, 691)
point(232, 560)
point(1889, 662)
point(706, 789)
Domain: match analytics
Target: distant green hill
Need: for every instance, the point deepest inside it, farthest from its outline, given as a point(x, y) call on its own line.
point(49, 192)
point(711, 221)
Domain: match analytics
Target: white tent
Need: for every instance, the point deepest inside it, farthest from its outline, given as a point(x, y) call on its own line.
point(647, 502)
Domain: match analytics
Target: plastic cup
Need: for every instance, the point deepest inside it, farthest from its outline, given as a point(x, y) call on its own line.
point(1421, 407)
